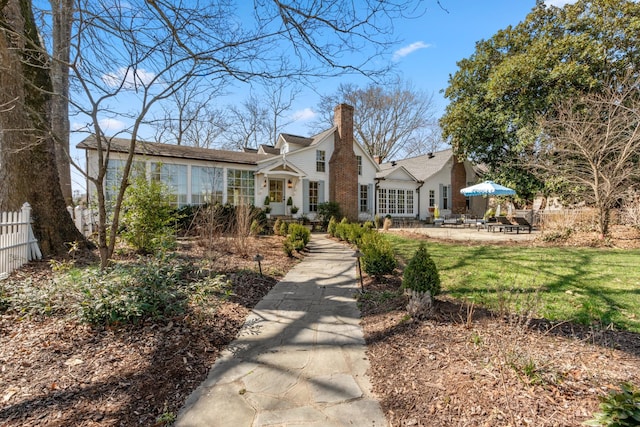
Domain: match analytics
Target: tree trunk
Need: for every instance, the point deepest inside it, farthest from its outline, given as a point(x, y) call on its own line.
point(28, 169)
point(62, 16)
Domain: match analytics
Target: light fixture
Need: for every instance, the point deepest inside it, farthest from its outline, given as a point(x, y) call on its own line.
point(289, 184)
point(264, 183)
point(258, 258)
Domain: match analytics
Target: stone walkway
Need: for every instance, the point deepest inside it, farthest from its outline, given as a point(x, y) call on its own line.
point(300, 358)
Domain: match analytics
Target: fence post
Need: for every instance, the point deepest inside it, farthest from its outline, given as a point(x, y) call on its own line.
point(79, 219)
point(25, 222)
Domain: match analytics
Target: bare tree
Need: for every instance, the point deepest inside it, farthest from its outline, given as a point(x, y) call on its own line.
point(590, 150)
point(188, 118)
point(389, 120)
point(28, 170)
point(127, 57)
point(262, 116)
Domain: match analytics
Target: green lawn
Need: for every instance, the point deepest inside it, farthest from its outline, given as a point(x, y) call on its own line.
point(580, 284)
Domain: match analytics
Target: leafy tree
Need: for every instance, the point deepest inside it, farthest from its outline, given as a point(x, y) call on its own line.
point(522, 72)
point(389, 120)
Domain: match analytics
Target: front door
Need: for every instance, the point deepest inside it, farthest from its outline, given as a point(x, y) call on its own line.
point(276, 195)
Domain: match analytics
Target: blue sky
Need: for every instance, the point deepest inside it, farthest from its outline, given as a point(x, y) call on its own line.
point(432, 45)
point(429, 48)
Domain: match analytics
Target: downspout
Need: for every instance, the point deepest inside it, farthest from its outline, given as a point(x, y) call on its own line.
point(375, 195)
point(418, 191)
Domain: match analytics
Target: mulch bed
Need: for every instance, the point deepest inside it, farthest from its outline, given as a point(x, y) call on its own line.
point(462, 367)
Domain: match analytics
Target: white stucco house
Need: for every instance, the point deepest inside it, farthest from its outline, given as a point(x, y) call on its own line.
point(329, 166)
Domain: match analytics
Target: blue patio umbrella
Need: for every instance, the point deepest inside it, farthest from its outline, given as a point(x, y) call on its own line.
point(487, 188)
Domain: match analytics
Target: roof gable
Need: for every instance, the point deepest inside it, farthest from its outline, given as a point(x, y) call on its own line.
point(422, 167)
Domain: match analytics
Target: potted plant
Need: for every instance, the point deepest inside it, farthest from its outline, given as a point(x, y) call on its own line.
point(267, 208)
point(436, 212)
point(289, 202)
point(294, 209)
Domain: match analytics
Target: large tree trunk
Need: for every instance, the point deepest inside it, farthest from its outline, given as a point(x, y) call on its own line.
point(62, 16)
point(28, 171)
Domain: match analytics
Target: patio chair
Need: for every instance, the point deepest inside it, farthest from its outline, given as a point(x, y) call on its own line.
point(523, 224)
point(502, 223)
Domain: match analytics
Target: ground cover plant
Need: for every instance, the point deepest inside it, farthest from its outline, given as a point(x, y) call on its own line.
point(584, 285)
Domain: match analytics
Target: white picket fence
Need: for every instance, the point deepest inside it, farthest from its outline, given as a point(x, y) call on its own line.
point(85, 219)
point(18, 245)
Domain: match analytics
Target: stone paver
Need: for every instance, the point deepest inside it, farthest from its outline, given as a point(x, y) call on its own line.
point(300, 358)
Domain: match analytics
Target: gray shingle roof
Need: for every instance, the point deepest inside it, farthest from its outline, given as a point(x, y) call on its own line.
point(177, 151)
point(422, 167)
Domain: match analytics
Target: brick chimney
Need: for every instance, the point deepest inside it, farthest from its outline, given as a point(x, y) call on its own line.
point(458, 182)
point(343, 167)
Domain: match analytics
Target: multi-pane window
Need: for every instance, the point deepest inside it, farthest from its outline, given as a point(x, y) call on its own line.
point(409, 202)
point(432, 198)
point(392, 201)
point(382, 200)
point(313, 196)
point(175, 178)
point(401, 205)
point(359, 160)
point(364, 198)
point(395, 202)
point(240, 187)
point(113, 178)
point(445, 197)
point(206, 185)
point(320, 161)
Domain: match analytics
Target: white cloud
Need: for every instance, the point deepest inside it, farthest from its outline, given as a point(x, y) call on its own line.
point(404, 51)
point(130, 77)
point(111, 125)
point(558, 3)
point(304, 114)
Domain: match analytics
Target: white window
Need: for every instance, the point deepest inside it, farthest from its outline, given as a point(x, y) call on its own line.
point(359, 160)
point(364, 198)
point(313, 196)
point(206, 185)
point(240, 187)
point(320, 161)
point(175, 178)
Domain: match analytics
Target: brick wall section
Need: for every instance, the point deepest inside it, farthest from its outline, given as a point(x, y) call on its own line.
point(458, 181)
point(343, 167)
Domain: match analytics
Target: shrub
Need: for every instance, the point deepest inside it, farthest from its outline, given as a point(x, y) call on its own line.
point(331, 228)
point(299, 232)
point(276, 227)
point(378, 258)
point(619, 408)
point(327, 210)
point(256, 228)
point(377, 221)
point(288, 248)
point(284, 228)
point(421, 274)
point(128, 294)
point(148, 218)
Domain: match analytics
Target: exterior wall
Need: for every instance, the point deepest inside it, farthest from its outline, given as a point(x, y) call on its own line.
point(435, 182)
point(366, 178)
point(305, 159)
point(343, 170)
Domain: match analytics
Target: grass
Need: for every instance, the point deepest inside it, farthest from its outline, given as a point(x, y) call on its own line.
point(585, 285)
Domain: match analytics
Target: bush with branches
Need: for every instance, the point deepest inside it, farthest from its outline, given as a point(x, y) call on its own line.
point(378, 258)
point(422, 280)
point(148, 218)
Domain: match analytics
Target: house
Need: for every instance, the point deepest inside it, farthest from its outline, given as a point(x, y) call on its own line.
point(415, 186)
point(329, 166)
